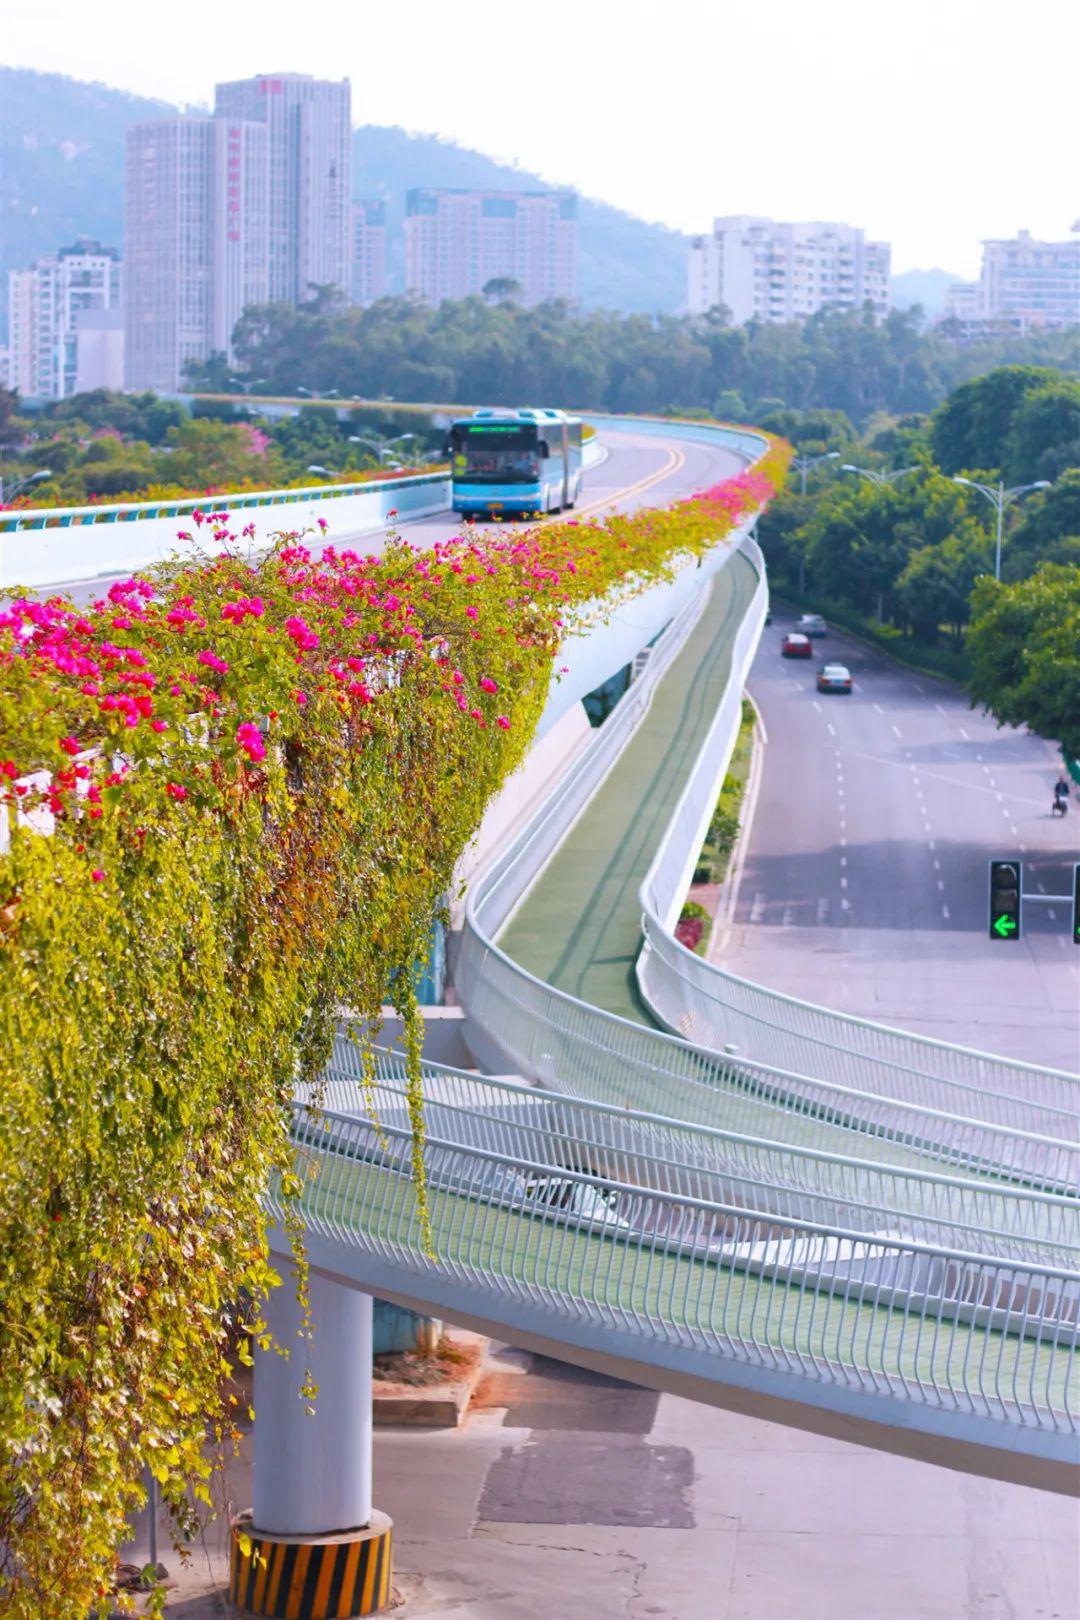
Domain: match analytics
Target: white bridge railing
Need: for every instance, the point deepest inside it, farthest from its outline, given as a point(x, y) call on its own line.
point(913, 1337)
point(719, 1011)
point(563, 1043)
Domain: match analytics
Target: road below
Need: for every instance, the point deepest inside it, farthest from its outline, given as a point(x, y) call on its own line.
point(864, 877)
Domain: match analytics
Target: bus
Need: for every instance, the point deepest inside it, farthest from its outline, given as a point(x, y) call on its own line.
point(515, 463)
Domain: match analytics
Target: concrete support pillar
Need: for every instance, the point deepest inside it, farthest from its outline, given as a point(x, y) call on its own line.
point(312, 1471)
point(313, 1546)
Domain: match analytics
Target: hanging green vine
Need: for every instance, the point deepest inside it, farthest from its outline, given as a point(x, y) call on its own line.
point(255, 781)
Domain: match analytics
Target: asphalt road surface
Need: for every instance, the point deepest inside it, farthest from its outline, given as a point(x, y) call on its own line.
point(863, 883)
point(637, 470)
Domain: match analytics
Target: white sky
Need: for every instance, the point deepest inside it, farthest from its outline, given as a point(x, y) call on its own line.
point(932, 123)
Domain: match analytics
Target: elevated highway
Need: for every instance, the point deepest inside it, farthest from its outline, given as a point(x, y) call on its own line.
point(762, 1204)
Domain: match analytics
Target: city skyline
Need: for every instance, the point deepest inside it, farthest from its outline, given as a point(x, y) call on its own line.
point(901, 139)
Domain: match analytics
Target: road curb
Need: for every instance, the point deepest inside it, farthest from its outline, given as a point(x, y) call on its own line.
point(440, 1406)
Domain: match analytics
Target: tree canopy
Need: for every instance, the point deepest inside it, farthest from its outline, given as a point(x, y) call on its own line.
point(1024, 648)
point(492, 350)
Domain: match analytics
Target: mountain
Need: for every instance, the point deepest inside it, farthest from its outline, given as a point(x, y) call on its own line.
point(62, 168)
point(925, 287)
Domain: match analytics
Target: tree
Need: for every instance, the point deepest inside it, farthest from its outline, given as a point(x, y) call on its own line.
point(936, 584)
point(1045, 435)
point(500, 287)
point(1024, 647)
point(1049, 531)
point(973, 426)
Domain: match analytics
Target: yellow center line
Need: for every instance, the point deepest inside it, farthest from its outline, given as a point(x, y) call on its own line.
point(676, 459)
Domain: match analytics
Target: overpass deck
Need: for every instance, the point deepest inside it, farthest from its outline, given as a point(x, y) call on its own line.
point(580, 927)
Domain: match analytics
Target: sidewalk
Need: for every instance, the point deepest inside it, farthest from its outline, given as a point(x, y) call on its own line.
point(568, 1495)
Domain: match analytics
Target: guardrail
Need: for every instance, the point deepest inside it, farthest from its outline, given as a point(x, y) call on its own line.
point(926, 1337)
point(719, 1011)
point(553, 1038)
point(49, 546)
point(802, 1180)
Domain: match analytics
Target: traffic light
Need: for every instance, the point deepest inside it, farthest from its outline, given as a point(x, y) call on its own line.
point(1005, 899)
point(1076, 904)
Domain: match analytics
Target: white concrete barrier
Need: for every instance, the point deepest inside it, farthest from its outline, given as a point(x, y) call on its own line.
point(61, 545)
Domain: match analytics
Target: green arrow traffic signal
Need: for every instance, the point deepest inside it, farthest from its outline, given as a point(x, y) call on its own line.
point(1006, 884)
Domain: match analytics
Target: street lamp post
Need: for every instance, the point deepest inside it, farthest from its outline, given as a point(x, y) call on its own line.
point(876, 477)
point(803, 464)
point(999, 498)
point(22, 483)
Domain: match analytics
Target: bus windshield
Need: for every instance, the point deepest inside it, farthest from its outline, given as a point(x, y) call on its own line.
point(497, 455)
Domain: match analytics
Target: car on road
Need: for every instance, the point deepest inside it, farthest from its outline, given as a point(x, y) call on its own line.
point(812, 624)
point(795, 645)
point(834, 678)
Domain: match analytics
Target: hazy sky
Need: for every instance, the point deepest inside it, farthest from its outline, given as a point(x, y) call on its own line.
point(932, 123)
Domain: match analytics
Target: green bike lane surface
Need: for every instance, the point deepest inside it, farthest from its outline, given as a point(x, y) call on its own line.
point(644, 1285)
point(579, 928)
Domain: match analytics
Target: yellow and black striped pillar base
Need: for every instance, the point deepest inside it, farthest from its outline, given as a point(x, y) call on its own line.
point(311, 1577)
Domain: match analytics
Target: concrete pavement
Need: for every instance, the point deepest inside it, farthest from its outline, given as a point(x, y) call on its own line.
point(569, 1495)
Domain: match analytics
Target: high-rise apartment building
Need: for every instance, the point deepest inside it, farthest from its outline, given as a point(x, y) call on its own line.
point(368, 276)
point(1039, 282)
point(458, 241)
point(762, 270)
point(196, 236)
point(1024, 285)
point(309, 136)
point(45, 304)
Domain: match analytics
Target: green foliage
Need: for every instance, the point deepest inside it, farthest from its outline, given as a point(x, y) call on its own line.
point(263, 775)
point(837, 363)
point(723, 827)
point(1024, 647)
point(974, 427)
point(1044, 435)
point(106, 447)
point(1049, 530)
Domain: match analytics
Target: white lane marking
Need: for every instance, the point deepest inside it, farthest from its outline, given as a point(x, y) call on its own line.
point(816, 704)
point(1000, 798)
point(993, 782)
point(822, 910)
point(1023, 849)
point(1041, 887)
point(945, 912)
point(757, 910)
point(831, 729)
point(940, 884)
point(926, 826)
point(843, 860)
point(845, 905)
point(937, 866)
point(843, 824)
point(1006, 813)
point(940, 710)
point(788, 918)
point(932, 844)
point(897, 732)
point(1051, 913)
point(879, 709)
point(979, 758)
point(1015, 831)
point(964, 734)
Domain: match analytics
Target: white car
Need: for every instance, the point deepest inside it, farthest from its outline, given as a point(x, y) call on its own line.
point(812, 624)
